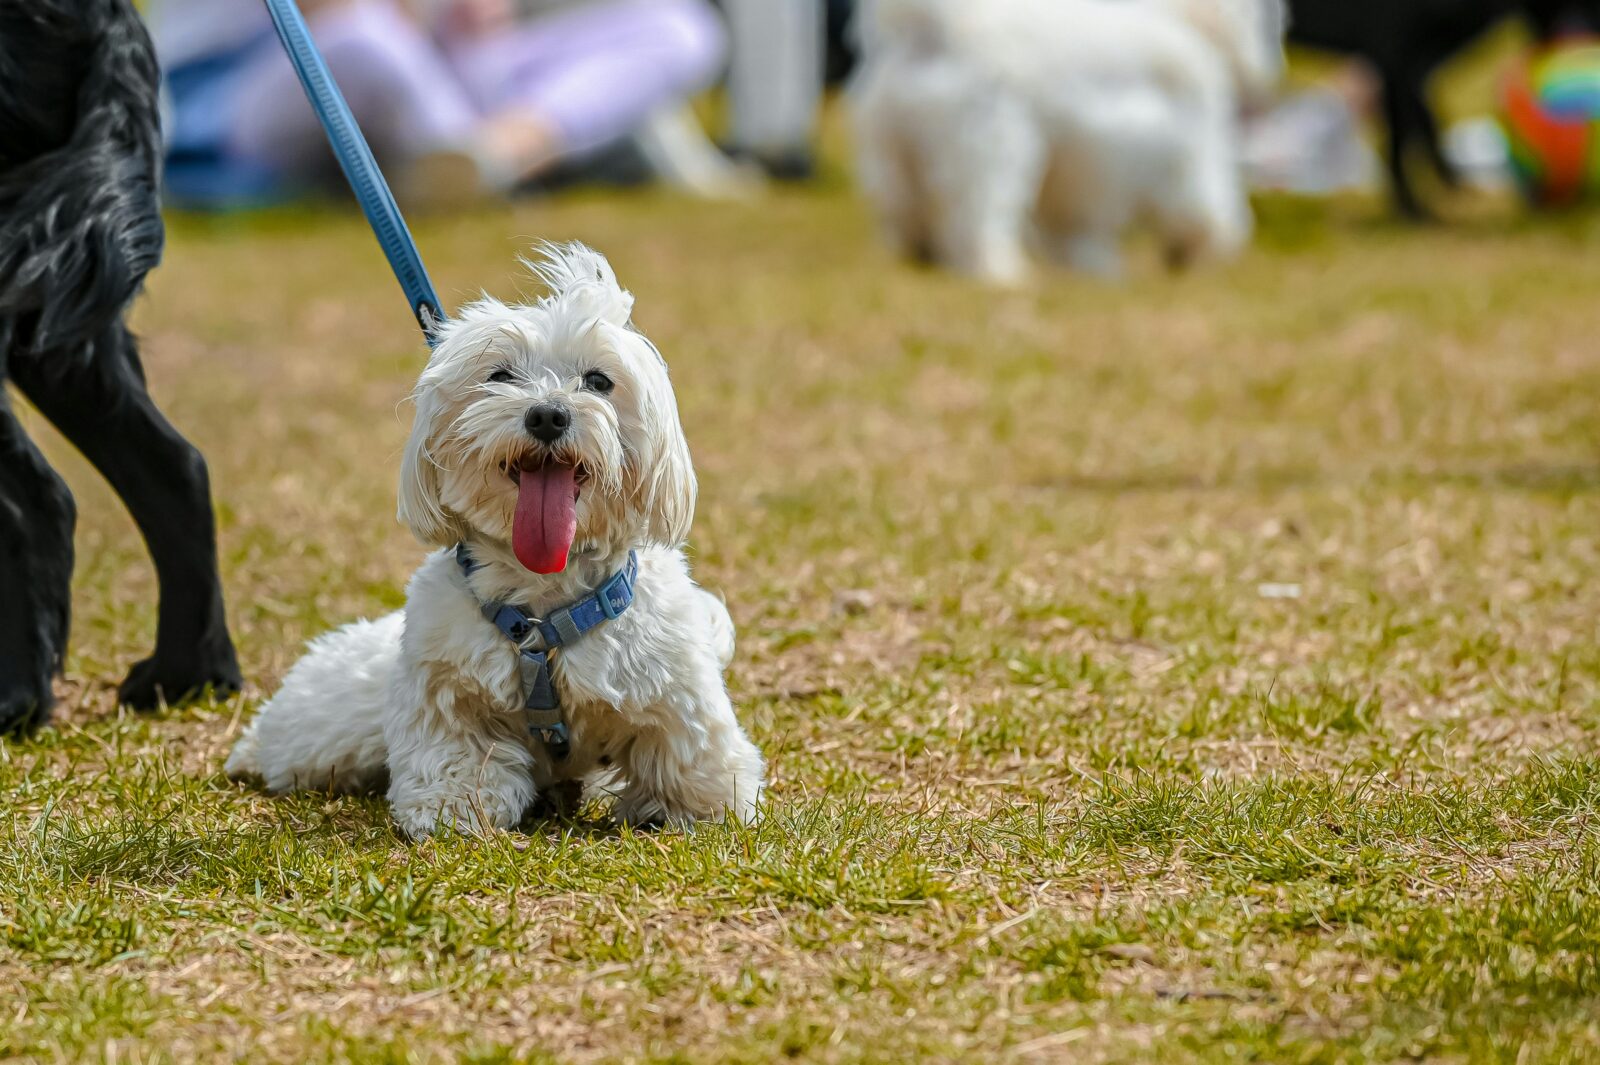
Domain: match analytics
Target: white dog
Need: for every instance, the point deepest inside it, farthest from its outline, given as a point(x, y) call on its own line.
point(980, 125)
point(546, 454)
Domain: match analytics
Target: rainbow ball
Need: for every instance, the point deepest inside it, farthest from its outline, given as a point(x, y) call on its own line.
point(1550, 110)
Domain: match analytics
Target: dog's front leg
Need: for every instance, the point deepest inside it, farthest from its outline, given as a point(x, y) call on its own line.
point(36, 519)
point(698, 766)
point(454, 761)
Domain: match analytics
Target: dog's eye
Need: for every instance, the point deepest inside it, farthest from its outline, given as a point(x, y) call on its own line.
point(595, 381)
point(500, 376)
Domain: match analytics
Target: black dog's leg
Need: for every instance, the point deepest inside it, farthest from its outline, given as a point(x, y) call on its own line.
point(1427, 127)
point(1434, 144)
point(36, 518)
point(1400, 116)
point(101, 405)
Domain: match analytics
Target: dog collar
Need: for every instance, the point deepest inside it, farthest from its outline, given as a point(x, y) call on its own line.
point(536, 638)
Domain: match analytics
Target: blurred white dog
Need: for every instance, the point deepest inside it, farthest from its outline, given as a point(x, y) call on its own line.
point(980, 125)
point(548, 461)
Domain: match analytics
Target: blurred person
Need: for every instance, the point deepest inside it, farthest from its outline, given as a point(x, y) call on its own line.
point(462, 98)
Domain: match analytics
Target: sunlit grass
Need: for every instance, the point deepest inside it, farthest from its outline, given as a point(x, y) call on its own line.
point(1202, 669)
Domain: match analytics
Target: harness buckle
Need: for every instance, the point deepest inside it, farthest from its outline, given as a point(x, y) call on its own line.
point(556, 739)
point(534, 640)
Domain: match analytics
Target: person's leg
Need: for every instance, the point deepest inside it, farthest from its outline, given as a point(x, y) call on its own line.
point(591, 75)
point(399, 86)
point(1399, 114)
point(775, 80)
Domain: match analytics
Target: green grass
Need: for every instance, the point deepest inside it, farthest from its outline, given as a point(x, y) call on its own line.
point(1203, 669)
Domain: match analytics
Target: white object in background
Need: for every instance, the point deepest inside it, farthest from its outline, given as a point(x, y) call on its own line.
point(775, 80)
point(1309, 143)
point(679, 154)
point(1477, 148)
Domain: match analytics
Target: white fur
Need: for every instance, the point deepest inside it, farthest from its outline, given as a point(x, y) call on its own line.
point(981, 126)
point(432, 693)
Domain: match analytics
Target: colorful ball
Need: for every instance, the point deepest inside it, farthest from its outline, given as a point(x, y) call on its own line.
point(1550, 109)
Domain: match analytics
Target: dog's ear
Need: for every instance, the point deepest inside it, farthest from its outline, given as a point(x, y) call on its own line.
point(666, 487)
point(420, 509)
point(669, 506)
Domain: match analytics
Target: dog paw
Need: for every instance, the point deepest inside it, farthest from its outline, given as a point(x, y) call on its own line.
point(464, 817)
point(23, 710)
point(153, 682)
point(651, 814)
point(641, 809)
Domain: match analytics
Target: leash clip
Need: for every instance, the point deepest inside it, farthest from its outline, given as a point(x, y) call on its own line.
point(556, 739)
point(535, 640)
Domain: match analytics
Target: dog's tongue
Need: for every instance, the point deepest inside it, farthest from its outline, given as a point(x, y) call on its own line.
point(547, 517)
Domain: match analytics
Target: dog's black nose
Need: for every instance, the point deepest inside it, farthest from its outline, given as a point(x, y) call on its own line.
point(547, 421)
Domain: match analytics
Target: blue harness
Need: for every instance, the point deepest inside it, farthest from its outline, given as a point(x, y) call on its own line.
point(537, 638)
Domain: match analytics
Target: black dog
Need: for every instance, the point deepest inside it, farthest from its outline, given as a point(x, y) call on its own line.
point(1406, 41)
point(80, 225)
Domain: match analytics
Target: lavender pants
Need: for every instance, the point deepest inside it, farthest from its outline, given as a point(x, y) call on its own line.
point(594, 71)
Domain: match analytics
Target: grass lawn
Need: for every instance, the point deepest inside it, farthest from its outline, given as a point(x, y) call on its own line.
point(1203, 669)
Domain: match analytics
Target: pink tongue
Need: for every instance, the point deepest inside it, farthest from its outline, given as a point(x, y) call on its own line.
point(547, 517)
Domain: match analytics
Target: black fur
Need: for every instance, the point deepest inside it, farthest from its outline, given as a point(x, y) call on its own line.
point(80, 226)
point(1406, 41)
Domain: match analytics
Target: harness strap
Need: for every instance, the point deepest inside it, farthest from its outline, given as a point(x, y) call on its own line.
point(537, 638)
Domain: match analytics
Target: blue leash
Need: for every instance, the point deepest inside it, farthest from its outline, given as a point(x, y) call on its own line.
point(360, 168)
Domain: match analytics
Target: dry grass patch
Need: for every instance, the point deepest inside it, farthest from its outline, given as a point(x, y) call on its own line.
point(1202, 669)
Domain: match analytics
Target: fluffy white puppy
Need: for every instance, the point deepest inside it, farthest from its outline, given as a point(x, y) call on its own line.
point(982, 125)
point(547, 445)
